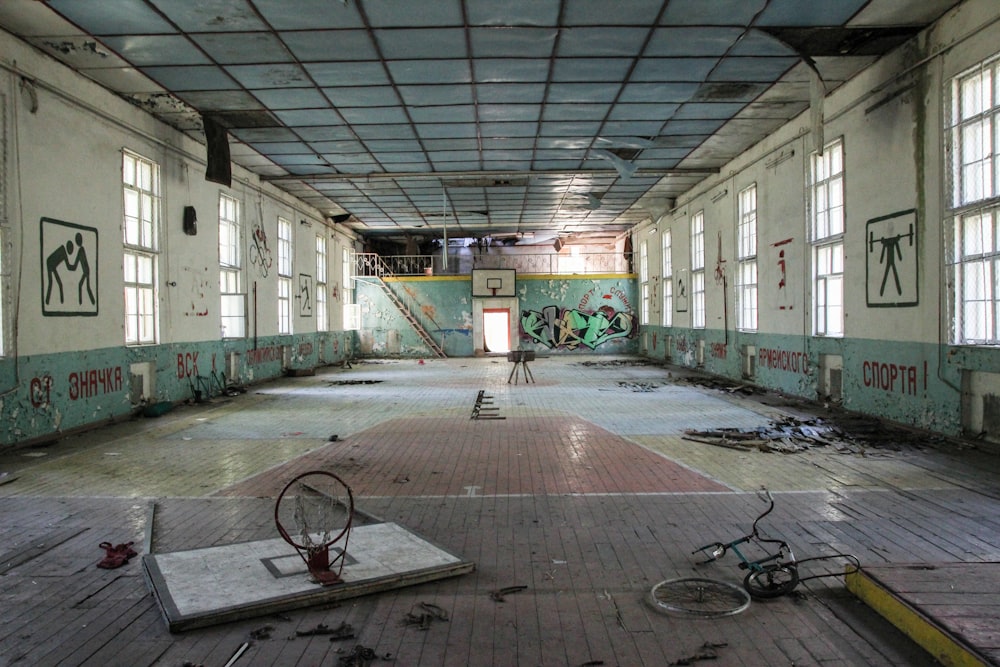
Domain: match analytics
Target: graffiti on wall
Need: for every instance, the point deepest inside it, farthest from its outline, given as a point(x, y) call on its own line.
point(260, 253)
point(894, 378)
point(69, 287)
point(570, 328)
point(79, 385)
point(785, 296)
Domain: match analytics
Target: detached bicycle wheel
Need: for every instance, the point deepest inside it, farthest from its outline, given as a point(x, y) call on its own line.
point(773, 582)
point(694, 596)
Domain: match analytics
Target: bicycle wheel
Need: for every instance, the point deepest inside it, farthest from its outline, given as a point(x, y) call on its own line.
point(772, 582)
point(694, 596)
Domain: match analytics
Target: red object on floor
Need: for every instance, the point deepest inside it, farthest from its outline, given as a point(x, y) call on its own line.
point(116, 556)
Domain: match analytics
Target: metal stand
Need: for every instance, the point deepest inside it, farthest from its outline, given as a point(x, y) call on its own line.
point(520, 358)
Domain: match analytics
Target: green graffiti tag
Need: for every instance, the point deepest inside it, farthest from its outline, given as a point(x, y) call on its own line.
point(571, 328)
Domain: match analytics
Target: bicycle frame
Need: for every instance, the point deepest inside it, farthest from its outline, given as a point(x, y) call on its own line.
point(773, 575)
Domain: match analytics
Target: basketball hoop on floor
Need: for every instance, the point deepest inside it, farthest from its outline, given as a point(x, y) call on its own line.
point(313, 512)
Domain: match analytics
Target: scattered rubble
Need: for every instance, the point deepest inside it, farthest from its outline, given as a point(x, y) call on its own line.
point(722, 384)
point(846, 435)
point(638, 386)
point(616, 363)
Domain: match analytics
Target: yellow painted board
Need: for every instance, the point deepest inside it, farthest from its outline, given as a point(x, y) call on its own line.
point(946, 649)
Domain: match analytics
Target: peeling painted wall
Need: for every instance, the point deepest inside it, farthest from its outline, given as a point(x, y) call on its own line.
point(894, 359)
point(64, 364)
point(559, 314)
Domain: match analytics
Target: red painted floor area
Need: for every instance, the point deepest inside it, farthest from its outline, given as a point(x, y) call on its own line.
point(448, 456)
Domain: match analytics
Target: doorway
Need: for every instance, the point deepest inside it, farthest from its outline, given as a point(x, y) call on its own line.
point(496, 330)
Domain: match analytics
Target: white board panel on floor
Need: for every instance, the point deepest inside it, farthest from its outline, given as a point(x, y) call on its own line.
point(214, 585)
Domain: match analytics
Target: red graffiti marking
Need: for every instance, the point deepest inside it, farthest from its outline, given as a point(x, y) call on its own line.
point(264, 354)
point(719, 350)
point(41, 391)
point(890, 377)
point(95, 381)
point(187, 364)
point(783, 360)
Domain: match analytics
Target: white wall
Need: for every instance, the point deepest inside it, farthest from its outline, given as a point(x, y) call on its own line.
point(64, 162)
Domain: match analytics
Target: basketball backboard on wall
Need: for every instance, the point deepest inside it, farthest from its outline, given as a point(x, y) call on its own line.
point(493, 282)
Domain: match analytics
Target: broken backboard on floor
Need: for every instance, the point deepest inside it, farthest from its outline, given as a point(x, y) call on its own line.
point(212, 585)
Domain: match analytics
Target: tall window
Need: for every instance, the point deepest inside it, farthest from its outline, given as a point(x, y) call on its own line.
point(698, 270)
point(284, 276)
point(322, 316)
point(345, 267)
point(975, 204)
point(351, 312)
point(232, 307)
point(141, 190)
point(668, 280)
point(826, 221)
point(5, 348)
point(746, 278)
point(644, 279)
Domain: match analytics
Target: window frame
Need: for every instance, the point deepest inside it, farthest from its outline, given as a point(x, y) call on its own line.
point(644, 280)
point(322, 276)
point(666, 243)
point(697, 248)
point(232, 298)
point(746, 260)
point(826, 185)
point(141, 211)
point(285, 269)
point(974, 253)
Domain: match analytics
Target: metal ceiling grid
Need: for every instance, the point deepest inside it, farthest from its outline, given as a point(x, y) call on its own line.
point(556, 116)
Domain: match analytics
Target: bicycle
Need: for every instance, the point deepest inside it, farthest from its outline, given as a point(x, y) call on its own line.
point(775, 574)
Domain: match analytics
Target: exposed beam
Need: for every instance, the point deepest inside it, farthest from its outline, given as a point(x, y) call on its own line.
point(438, 175)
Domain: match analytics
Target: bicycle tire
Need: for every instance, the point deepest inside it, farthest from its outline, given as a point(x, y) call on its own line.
point(771, 582)
point(699, 597)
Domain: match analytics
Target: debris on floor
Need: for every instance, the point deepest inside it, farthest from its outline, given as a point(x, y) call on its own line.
point(116, 555)
point(846, 435)
point(483, 408)
point(343, 631)
point(722, 384)
point(708, 651)
point(499, 595)
point(423, 614)
point(335, 383)
point(361, 656)
point(638, 386)
point(606, 363)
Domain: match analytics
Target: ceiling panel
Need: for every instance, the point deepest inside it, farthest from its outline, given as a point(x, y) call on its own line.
point(576, 117)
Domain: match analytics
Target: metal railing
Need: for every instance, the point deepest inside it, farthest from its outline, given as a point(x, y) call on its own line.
point(375, 265)
point(379, 266)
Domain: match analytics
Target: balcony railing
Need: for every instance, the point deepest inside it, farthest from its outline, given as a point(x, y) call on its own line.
point(373, 264)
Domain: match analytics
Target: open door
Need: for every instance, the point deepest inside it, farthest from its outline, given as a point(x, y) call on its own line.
point(496, 330)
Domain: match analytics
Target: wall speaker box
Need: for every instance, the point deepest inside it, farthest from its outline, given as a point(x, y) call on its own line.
point(190, 221)
point(218, 169)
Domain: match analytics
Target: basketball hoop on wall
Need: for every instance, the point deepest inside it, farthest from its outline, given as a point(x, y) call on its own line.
point(312, 513)
point(494, 283)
